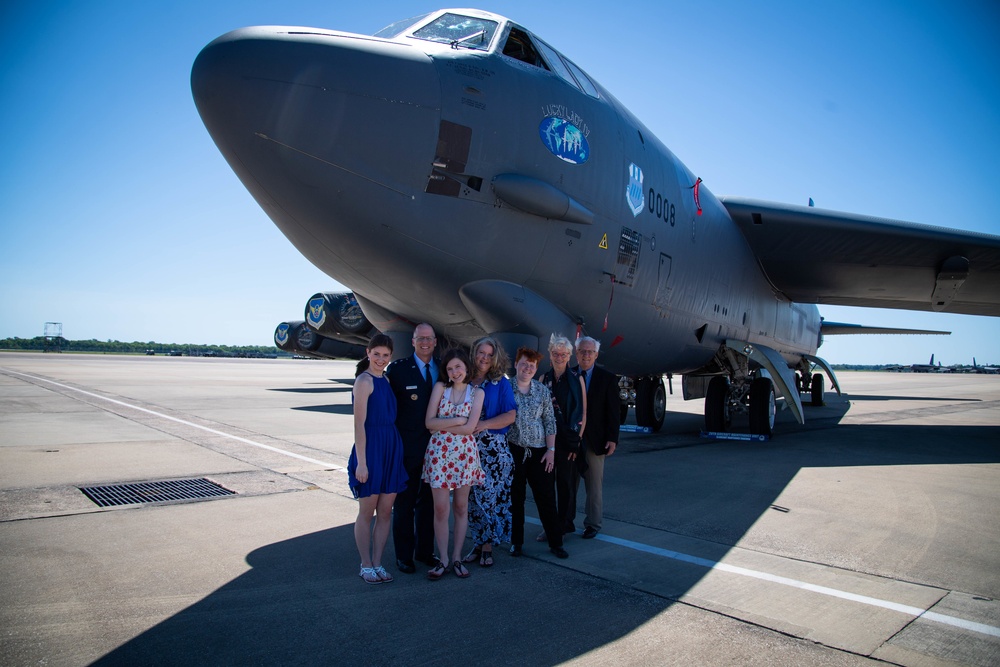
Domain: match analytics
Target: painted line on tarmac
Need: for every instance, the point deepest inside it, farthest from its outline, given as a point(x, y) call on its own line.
point(972, 626)
point(325, 464)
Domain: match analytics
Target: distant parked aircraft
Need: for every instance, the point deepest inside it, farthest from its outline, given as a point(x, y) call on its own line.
point(928, 367)
point(982, 370)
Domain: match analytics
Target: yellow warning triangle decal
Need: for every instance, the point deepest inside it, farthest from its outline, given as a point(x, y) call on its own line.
point(604, 242)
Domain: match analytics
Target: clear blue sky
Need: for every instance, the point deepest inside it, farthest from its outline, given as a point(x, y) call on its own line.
point(121, 220)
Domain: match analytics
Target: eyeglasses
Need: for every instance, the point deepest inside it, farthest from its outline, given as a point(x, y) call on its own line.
point(586, 353)
point(425, 339)
point(559, 355)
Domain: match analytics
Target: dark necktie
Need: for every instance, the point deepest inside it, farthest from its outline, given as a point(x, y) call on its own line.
point(427, 374)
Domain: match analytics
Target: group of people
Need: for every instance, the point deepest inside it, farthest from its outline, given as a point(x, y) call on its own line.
point(454, 437)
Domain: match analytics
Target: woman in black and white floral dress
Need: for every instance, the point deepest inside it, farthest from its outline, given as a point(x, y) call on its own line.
point(489, 503)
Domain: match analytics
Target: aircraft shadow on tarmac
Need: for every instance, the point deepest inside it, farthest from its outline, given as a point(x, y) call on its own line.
point(718, 490)
point(329, 409)
point(312, 390)
point(302, 601)
point(334, 409)
point(936, 399)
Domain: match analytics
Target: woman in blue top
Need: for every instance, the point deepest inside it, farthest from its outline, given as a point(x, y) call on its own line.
point(489, 504)
point(375, 470)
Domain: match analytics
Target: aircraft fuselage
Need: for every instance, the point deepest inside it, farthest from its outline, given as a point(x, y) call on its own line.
point(485, 194)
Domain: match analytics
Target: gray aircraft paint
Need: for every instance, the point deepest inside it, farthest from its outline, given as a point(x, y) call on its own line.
point(449, 183)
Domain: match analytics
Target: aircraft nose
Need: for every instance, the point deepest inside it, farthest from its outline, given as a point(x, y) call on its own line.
point(296, 109)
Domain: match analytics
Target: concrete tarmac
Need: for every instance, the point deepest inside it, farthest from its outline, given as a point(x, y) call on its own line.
point(868, 535)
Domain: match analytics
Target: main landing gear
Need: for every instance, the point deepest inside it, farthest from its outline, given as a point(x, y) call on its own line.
point(649, 395)
point(744, 379)
point(762, 407)
point(752, 396)
point(814, 385)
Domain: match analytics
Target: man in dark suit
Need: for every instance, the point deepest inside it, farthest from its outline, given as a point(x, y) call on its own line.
point(412, 379)
point(600, 438)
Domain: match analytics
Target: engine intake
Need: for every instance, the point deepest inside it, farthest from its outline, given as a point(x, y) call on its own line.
point(338, 315)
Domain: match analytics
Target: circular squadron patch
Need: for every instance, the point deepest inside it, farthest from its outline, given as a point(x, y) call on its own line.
point(564, 140)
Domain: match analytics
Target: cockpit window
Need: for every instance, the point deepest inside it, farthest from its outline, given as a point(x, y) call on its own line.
point(399, 27)
point(556, 63)
point(459, 31)
point(588, 85)
point(520, 47)
point(535, 52)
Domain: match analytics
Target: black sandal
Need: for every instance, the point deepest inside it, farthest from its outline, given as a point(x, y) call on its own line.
point(437, 571)
point(486, 559)
point(460, 570)
point(473, 555)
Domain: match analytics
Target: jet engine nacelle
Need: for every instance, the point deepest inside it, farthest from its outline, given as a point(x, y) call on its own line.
point(297, 338)
point(338, 315)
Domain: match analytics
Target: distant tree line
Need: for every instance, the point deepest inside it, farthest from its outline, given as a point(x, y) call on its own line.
point(59, 344)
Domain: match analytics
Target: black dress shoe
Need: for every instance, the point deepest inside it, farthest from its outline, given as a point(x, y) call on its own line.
point(404, 567)
point(589, 533)
point(515, 550)
point(559, 552)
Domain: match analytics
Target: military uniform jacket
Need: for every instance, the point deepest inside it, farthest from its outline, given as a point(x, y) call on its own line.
point(412, 392)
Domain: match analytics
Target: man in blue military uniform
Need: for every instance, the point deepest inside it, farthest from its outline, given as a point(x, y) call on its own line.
point(412, 379)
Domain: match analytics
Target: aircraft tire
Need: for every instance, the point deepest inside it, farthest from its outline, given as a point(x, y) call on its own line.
point(762, 408)
point(817, 389)
point(717, 417)
point(650, 402)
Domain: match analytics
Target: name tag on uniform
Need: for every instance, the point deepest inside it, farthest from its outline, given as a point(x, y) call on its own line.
point(412, 386)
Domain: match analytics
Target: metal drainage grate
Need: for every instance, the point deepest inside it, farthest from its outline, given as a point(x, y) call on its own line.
point(154, 492)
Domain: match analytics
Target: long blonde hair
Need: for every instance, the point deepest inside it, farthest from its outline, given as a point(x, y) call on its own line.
point(501, 362)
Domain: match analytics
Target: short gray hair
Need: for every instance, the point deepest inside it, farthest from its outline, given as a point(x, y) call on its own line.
point(588, 339)
point(557, 341)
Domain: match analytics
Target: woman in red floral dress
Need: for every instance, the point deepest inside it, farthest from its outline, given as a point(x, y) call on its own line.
point(452, 459)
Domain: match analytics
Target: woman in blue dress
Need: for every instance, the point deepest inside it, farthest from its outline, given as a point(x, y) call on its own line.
point(489, 504)
point(375, 470)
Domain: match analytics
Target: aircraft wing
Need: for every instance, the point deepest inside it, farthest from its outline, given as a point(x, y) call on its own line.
point(841, 328)
point(826, 257)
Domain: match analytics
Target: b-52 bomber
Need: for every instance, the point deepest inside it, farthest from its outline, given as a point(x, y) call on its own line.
point(455, 168)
